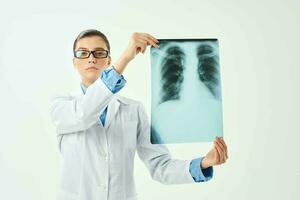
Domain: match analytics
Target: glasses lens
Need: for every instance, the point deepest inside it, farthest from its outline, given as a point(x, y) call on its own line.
point(100, 54)
point(81, 54)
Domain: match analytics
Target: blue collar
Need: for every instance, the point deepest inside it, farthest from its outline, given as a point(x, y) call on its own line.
point(83, 87)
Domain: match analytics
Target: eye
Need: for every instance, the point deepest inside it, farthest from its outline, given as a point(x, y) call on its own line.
point(100, 53)
point(81, 53)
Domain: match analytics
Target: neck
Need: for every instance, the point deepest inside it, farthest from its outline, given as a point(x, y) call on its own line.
point(86, 82)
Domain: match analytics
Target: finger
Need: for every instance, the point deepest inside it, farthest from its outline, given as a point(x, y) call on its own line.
point(221, 154)
point(224, 152)
point(150, 41)
point(142, 45)
point(142, 42)
point(152, 37)
point(224, 145)
point(220, 145)
point(221, 141)
point(219, 159)
point(143, 49)
point(139, 49)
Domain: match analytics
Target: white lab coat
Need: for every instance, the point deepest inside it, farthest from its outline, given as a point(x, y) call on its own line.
point(98, 161)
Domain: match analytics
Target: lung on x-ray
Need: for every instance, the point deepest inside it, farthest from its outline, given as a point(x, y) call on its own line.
point(186, 100)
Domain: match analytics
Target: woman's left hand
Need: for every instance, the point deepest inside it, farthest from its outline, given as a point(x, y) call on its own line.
point(216, 156)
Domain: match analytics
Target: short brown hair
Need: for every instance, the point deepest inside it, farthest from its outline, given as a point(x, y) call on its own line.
point(90, 33)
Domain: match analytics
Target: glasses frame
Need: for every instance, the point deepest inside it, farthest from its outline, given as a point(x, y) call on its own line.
point(91, 52)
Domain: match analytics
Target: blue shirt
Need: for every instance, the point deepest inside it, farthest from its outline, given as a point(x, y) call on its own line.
point(115, 82)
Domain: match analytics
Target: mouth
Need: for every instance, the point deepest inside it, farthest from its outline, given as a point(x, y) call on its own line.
point(92, 68)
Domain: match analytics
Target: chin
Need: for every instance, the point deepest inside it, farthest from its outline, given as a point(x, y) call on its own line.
point(92, 76)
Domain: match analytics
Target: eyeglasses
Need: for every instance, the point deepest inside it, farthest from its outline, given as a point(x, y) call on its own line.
point(86, 54)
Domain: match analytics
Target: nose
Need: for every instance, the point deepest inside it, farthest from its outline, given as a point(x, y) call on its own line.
point(92, 59)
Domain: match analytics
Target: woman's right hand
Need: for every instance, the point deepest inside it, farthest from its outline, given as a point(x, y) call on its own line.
point(138, 43)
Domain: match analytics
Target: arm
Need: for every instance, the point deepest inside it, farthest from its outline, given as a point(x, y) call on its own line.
point(157, 157)
point(70, 114)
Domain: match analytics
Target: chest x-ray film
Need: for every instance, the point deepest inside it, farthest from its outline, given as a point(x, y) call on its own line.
point(186, 100)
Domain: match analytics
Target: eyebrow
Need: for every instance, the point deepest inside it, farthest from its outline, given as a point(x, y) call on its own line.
point(97, 48)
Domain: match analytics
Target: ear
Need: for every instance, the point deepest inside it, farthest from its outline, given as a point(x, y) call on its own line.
point(109, 60)
point(74, 62)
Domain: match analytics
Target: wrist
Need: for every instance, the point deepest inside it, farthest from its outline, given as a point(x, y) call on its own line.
point(121, 63)
point(204, 164)
point(126, 58)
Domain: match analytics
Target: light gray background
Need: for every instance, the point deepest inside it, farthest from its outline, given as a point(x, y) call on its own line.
point(259, 54)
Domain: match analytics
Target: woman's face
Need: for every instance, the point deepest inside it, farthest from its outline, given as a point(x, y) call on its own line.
point(90, 68)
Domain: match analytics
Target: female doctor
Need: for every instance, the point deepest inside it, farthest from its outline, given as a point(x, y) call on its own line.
point(99, 131)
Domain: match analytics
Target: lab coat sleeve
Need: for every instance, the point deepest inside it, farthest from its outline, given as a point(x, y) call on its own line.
point(70, 114)
point(157, 158)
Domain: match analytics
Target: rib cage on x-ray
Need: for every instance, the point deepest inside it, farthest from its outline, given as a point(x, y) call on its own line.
point(172, 70)
point(172, 73)
point(208, 67)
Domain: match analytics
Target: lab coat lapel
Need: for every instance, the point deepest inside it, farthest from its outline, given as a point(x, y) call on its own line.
point(112, 110)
